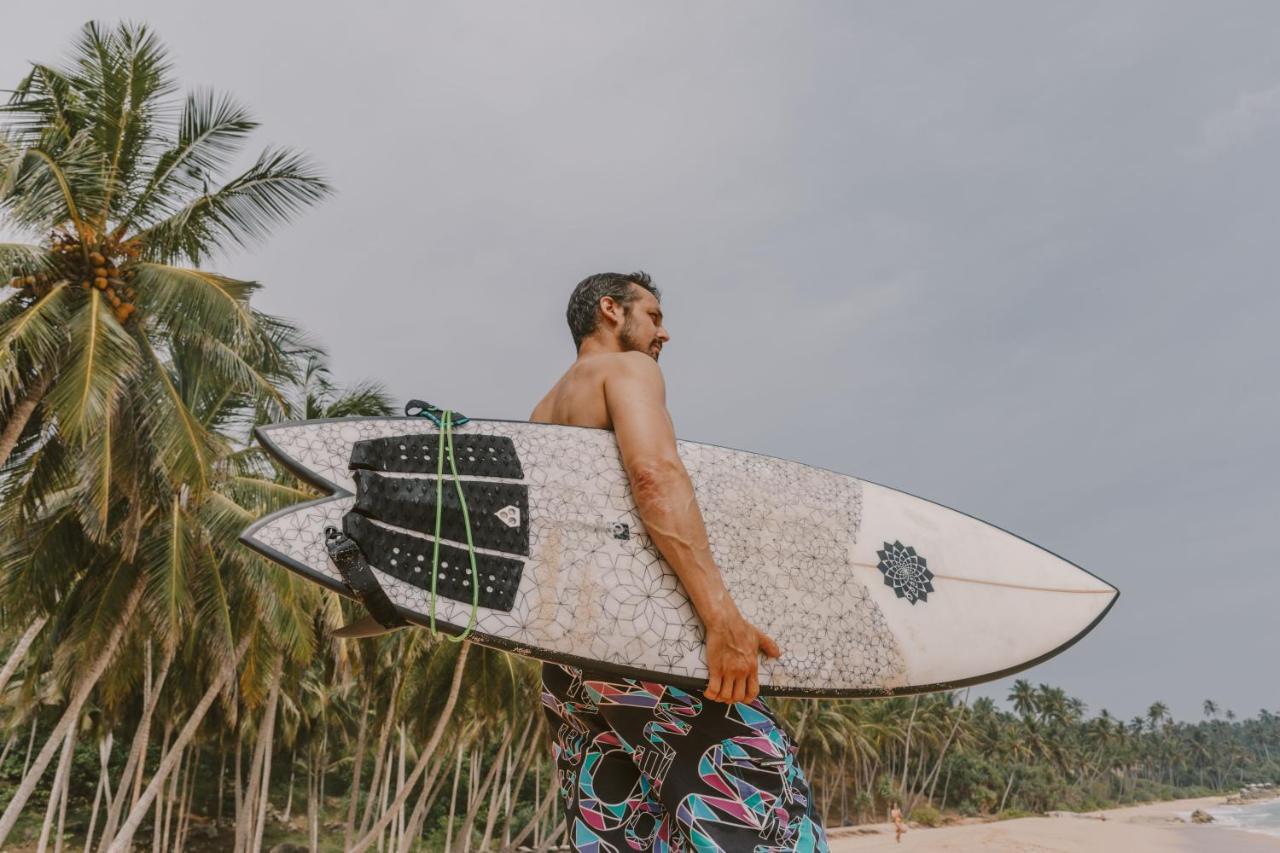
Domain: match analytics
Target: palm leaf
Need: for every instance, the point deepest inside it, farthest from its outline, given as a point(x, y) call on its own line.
point(231, 370)
point(44, 103)
point(24, 259)
point(43, 187)
point(123, 75)
point(167, 559)
point(213, 610)
point(210, 132)
point(243, 211)
point(102, 359)
point(192, 303)
point(37, 335)
point(365, 398)
point(97, 465)
point(185, 449)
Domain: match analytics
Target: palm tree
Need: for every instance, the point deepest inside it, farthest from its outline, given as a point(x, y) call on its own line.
point(1024, 698)
point(117, 366)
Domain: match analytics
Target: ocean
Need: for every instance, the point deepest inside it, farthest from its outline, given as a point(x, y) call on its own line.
point(1261, 817)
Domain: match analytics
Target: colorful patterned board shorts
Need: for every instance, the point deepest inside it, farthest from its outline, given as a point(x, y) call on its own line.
point(647, 766)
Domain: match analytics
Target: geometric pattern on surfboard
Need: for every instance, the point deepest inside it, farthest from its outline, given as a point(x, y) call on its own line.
point(788, 537)
point(906, 571)
point(594, 588)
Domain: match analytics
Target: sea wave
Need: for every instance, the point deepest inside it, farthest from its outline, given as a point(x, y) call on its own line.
point(1263, 818)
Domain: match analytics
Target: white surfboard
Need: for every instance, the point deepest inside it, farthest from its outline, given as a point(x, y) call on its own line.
point(869, 591)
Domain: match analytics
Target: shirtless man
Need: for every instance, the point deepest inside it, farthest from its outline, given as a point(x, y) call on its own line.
point(644, 766)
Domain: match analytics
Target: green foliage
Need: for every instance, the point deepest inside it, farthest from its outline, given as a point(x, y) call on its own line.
point(1014, 814)
point(926, 815)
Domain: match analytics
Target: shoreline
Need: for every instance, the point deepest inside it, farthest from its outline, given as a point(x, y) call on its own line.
point(1159, 826)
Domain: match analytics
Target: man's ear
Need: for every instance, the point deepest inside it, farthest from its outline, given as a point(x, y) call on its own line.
point(612, 309)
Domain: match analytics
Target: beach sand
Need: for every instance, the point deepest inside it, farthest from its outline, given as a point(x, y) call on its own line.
point(1136, 829)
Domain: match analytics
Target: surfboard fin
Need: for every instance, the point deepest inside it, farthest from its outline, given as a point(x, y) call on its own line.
point(365, 626)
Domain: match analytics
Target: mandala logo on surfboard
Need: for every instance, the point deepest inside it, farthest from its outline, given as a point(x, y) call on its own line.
point(905, 571)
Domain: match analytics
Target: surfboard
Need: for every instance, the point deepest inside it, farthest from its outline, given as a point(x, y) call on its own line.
point(869, 591)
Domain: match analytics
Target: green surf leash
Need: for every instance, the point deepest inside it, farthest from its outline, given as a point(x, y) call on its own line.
point(444, 420)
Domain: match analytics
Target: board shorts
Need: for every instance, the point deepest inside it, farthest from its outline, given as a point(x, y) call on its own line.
point(648, 767)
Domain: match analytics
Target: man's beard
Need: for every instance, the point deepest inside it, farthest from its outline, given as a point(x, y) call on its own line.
point(630, 340)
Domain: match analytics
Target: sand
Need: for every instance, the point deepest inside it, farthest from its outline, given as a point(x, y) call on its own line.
point(1136, 829)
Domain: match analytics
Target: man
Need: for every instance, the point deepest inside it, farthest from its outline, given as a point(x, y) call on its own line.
point(899, 826)
point(645, 766)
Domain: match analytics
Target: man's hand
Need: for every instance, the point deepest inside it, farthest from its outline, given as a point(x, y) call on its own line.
point(733, 659)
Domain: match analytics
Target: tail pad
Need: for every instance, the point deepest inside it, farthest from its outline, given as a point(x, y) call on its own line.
point(475, 455)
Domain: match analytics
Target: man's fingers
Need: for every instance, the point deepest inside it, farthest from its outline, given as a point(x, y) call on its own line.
point(739, 690)
point(768, 646)
point(753, 688)
point(713, 687)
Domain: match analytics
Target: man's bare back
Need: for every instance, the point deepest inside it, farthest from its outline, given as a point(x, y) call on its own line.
point(577, 399)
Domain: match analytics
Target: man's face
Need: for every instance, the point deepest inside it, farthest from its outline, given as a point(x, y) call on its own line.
point(642, 328)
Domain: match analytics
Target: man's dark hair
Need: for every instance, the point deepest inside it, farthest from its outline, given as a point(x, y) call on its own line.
point(583, 313)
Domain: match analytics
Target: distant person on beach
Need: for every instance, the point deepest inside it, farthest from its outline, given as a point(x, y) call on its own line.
point(646, 766)
point(899, 827)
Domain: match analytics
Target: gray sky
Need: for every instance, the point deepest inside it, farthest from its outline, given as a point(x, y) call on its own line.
point(1017, 258)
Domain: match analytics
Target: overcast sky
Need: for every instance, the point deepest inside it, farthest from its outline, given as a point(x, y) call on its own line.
point(1019, 258)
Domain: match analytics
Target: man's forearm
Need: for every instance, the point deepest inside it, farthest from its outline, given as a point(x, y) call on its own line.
point(667, 505)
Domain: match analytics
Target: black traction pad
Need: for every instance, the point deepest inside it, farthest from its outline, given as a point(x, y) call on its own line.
point(475, 455)
point(499, 512)
point(409, 558)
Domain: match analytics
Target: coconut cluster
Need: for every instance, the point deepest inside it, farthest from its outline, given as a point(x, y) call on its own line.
point(106, 267)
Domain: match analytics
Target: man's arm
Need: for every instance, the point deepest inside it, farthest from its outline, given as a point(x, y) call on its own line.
point(636, 398)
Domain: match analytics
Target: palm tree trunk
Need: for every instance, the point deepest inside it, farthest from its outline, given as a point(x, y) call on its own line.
point(453, 805)
point(906, 750)
point(19, 650)
point(386, 788)
point(121, 842)
point(964, 706)
point(535, 820)
point(401, 816)
point(237, 787)
point(56, 792)
point(476, 800)
point(500, 763)
point(62, 808)
point(8, 746)
point(103, 788)
point(354, 797)
point(537, 798)
point(455, 686)
point(31, 742)
point(268, 739)
point(288, 803)
point(174, 779)
point(129, 776)
point(69, 717)
point(383, 734)
point(426, 799)
point(313, 835)
point(21, 414)
point(184, 800)
point(528, 746)
point(1007, 788)
point(157, 820)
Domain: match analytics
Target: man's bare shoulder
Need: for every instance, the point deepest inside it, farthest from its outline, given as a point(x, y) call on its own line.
point(633, 363)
